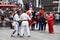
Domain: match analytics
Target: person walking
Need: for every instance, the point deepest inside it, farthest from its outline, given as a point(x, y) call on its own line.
point(29, 13)
point(57, 18)
point(16, 20)
point(24, 25)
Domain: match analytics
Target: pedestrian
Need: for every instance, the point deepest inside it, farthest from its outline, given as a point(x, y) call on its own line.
point(16, 19)
point(3, 17)
point(50, 19)
point(11, 19)
point(29, 13)
point(41, 23)
point(33, 20)
point(44, 22)
point(57, 18)
point(41, 14)
point(24, 25)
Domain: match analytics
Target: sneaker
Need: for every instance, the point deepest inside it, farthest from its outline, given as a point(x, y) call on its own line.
point(29, 36)
point(52, 33)
point(12, 36)
point(21, 36)
point(18, 34)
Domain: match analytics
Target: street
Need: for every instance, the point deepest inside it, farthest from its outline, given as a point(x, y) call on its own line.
point(5, 34)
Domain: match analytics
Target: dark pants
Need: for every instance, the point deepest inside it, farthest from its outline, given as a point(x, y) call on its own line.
point(44, 27)
point(40, 25)
point(57, 22)
point(33, 27)
point(11, 23)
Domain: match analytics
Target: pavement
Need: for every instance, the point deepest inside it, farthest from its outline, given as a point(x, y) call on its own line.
point(5, 34)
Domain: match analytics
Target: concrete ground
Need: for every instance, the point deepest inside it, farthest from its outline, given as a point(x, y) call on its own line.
point(5, 34)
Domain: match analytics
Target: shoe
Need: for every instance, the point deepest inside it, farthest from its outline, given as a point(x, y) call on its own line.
point(29, 36)
point(18, 34)
point(21, 36)
point(52, 33)
point(12, 36)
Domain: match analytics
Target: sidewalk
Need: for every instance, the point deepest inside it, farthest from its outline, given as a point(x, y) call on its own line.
point(35, 35)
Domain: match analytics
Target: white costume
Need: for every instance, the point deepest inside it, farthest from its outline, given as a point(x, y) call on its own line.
point(16, 24)
point(24, 25)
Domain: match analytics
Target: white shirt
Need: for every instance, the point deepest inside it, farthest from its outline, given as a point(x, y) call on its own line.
point(57, 16)
point(24, 16)
point(16, 17)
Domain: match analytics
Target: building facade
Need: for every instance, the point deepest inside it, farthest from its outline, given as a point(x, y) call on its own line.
point(49, 5)
point(8, 1)
point(3, 1)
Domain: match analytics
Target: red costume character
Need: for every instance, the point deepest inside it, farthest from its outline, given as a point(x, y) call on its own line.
point(51, 23)
point(28, 13)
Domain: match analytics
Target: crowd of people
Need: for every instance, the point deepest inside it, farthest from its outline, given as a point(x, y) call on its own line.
point(27, 20)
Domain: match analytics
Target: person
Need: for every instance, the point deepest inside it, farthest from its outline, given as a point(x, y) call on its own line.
point(24, 25)
point(44, 22)
point(57, 17)
point(3, 17)
point(16, 20)
point(41, 23)
point(29, 13)
point(50, 19)
point(37, 19)
point(33, 20)
point(11, 18)
point(41, 14)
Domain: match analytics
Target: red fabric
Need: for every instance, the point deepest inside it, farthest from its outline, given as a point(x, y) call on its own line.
point(41, 12)
point(8, 5)
point(51, 23)
point(51, 29)
point(28, 13)
point(29, 21)
point(38, 17)
point(34, 22)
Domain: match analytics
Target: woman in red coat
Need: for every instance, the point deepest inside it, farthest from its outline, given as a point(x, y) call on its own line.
point(51, 22)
